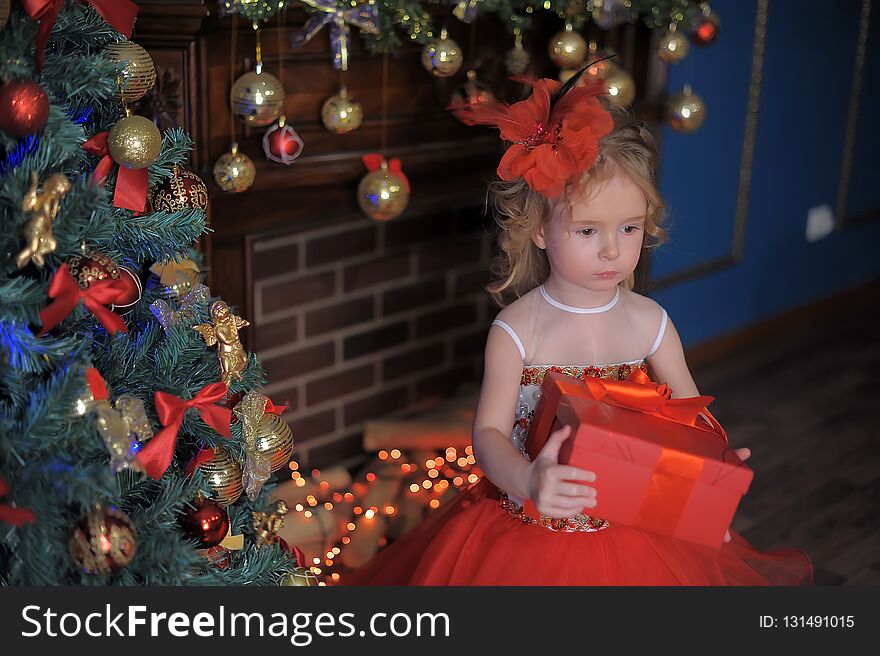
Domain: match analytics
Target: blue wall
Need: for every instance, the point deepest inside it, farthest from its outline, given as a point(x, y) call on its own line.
point(805, 92)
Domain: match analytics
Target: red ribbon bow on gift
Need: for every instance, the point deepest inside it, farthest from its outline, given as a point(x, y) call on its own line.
point(638, 392)
point(118, 13)
point(156, 456)
point(373, 162)
point(131, 184)
point(11, 514)
point(97, 297)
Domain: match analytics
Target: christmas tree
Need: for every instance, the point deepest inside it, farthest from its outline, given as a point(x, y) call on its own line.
point(134, 442)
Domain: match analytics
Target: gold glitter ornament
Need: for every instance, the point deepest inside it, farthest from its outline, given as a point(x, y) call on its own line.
point(341, 114)
point(139, 74)
point(103, 541)
point(234, 171)
point(257, 98)
point(686, 111)
point(300, 577)
point(443, 56)
point(621, 86)
point(134, 142)
point(568, 48)
point(275, 439)
point(673, 46)
point(382, 194)
point(223, 475)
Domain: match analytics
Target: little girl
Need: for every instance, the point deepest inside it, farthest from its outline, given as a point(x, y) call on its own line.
point(575, 199)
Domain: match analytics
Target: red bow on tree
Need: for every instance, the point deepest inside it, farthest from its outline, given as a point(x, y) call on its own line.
point(131, 184)
point(373, 162)
point(11, 514)
point(156, 456)
point(118, 13)
point(97, 297)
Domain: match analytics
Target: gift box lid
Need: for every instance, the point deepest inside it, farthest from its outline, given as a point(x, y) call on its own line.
point(642, 438)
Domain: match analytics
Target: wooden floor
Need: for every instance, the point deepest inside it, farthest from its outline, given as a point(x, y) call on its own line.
point(807, 407)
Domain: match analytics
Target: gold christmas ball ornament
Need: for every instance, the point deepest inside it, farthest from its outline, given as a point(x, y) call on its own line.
point(139, 74)
point(300, 577)
point(382, 194)
point(341, 114)
point(621, 86)
point(442, 57)
point(4, 12)
point(568, 48)
point(275, 439)
point(257, 98)
point(134, 142)
point(673, 46)
point(103, 541)
point(234, 171)
point(223, 475)
point(518, 58)
point(686, 111)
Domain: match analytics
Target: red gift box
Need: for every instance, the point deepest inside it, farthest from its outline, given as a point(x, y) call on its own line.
point(661, 464)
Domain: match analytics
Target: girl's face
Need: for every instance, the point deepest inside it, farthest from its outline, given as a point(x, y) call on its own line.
point(601, 245)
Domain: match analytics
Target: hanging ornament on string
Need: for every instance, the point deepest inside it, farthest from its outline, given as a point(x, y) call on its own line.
point(363, 16)
point(340, 113)
point(257, 97)
point(567, 48)
point(686, 111)
point(44, 206)
point(183, 190)
point(274, 439)
point(472, 92)
point(621, 86)
point(104, 541)
point(442, 56)
point(383, 193)
point(221, 472)
point(708, 26)
point(673, 46)
point(234, 171)
point(24, 108)
point(281, 143)
point(518, 58)
point(134, 142)
point(139, 73)
point(466, 11)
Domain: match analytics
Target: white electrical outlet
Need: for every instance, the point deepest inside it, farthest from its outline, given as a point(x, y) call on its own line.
point(820, 222)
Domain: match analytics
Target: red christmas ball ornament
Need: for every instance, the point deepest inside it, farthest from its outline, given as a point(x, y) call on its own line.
point(281, 143)
point(24, 107)
point(707, 28)
point(103, 541)
point(182, 191)
point(90, 267)
point(207, 523)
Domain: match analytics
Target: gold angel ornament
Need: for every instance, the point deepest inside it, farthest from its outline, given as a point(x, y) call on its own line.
point(224, 331)
point(44, 207)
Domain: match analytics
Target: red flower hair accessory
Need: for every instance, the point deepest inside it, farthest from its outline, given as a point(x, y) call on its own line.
point(554, 133)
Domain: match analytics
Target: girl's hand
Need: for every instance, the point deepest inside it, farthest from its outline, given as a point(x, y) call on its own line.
point(743, 454)
point(555, 489)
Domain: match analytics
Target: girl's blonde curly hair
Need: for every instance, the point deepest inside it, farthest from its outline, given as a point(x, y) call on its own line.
point(521, 212)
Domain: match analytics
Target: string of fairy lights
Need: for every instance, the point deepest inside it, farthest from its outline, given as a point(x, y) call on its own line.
point(427, 483)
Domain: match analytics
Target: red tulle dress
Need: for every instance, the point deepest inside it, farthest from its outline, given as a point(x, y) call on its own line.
point(483, 538)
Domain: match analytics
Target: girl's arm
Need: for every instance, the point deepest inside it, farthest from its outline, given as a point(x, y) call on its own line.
point(668, 365)
point(493, 449)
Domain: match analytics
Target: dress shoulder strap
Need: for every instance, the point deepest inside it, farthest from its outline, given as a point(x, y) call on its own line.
point(516, 339)
point(659, 334)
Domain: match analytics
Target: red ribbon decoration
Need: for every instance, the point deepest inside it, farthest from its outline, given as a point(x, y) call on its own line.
point(156, 456)
point(97, 297)
point(373, 162)
point(131, 184)
point(97, 385)
point(300, 557)
point(275, 409)
point(11, 514)
point(118, 13)
point(638, 392)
